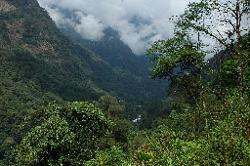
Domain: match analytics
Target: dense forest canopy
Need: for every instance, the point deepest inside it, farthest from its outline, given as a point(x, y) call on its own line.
point(66, 101)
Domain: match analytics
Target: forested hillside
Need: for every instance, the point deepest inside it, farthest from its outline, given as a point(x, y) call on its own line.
point(40, 56)
point(40, 65)
point(65, 100)
point(132, 70)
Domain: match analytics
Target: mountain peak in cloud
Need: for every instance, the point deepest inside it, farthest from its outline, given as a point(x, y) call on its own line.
point(139, 23)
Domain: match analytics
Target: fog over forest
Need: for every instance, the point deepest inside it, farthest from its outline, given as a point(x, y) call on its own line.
point(139, 22)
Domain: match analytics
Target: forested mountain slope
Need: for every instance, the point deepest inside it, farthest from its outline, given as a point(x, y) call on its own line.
point(38, 64)
point(96, 85)
point(39, 54)
point(132, 71)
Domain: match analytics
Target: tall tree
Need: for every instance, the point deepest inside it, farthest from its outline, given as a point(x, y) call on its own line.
point(222, 22)
point(175, 57)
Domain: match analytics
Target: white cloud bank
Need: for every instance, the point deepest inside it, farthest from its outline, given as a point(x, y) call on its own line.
point(138, 22)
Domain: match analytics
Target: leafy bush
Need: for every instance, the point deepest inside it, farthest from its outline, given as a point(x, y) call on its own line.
point(66, 135)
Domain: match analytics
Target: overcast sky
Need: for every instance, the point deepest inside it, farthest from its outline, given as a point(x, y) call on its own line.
point(92, 17)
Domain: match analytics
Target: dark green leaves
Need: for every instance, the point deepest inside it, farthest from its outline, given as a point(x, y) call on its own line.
point(174, 53)
point(63, 135)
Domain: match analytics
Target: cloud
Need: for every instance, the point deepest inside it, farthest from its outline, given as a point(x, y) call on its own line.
point(89, 27)
point(138, 22)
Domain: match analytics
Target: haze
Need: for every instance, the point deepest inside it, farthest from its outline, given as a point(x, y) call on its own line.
point(138, 22)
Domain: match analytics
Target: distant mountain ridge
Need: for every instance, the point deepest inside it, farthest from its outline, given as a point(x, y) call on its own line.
point(40, 55)
point(121, 59)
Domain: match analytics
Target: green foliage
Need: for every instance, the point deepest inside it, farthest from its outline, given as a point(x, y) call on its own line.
point(224, 142)
point(201, 17)
point(112, 157)
point(124, 74)
point(209, 122)
point(111, 106)
point(90, 125)
point(172, 54)
point(47, 144)
point(231, 69)
point(38, 64)
point(120, 130)
point(208, 118)
point(66, 135)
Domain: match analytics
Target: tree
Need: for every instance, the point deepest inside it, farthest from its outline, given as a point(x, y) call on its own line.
point(175, 57)
point(66, 135)
point(224, 22)
point(121, 128)
point(46, 144)
point(111, 106)
point(178, 60)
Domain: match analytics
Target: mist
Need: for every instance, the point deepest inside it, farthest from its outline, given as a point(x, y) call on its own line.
point(138, 22)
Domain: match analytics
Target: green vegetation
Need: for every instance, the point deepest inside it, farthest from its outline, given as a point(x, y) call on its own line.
point(38, 65)
point(205, 119)
point(66, 135)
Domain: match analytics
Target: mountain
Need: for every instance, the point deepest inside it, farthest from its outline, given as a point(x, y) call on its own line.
point(39, 64)
point(132, 70)
point(45, 56)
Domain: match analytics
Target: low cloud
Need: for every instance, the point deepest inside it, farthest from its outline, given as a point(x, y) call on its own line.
point(89, 27)
point(138, 22)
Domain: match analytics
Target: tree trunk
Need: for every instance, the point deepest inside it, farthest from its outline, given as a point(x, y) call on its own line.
point(237, 29)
